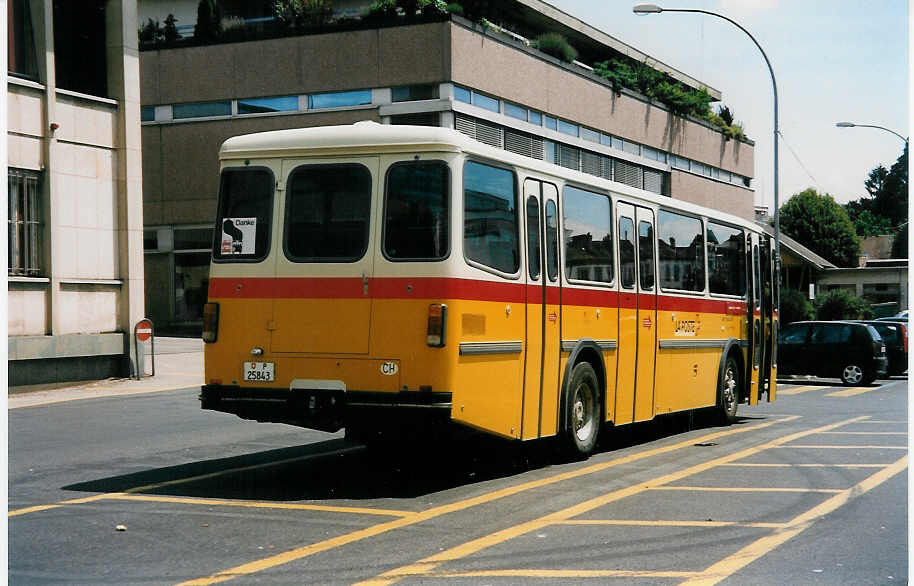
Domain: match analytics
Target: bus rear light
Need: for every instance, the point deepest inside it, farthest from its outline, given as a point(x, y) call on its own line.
point(437, 324)
point(210, 322)
point(904, 334)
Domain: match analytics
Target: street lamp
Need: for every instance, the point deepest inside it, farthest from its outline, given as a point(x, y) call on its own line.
point(654, 9)
point(855, 125)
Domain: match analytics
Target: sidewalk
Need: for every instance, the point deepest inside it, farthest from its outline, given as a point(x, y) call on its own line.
point(178, 365)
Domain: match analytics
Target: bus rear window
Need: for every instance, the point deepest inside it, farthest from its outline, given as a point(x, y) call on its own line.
point(327, 213)
point(244, 214)
point(416, 211)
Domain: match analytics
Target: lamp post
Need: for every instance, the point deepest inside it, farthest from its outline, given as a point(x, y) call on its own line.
point(855, 125)
point(654, 9)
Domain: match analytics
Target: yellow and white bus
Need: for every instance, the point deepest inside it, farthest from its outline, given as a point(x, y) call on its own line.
point(370, 275)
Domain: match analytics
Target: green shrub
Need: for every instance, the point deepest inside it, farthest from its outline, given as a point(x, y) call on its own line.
point(795, 307)
point(209, 21)
point(171, 30)
point(556, 45)
point(455, 8)
point(840, 304)
point(303, 13)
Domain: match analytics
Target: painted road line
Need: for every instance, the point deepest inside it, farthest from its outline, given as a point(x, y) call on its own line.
point(428, 566)
point(569, 574)
point(824, 447)
point(745, 489)
point(853, 391)
point(885, 422)
point(798, 390)
point(35, 509)
point(258, 505)
point(754, 465)
point(745, 556)
point(308, 550)
point(150, 487)
point(648, 523)
point(865, 432)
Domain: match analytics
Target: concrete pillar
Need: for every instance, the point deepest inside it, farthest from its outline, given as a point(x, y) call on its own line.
point(123, 60)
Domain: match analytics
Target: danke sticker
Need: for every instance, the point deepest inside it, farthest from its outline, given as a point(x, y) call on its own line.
point(238, 235)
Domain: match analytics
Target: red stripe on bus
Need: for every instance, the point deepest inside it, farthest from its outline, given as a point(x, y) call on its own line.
point(451, 288)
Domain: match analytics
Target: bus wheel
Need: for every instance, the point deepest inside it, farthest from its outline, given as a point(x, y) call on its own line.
point(583, 410)
point(728, 390)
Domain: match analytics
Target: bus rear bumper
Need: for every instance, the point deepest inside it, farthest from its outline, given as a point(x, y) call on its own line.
point(323, 409)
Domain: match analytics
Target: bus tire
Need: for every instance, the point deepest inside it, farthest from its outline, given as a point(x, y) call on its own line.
point(583, 412)
point(728, 389)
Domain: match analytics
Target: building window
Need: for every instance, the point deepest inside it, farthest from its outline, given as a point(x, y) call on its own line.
point(484, 101)
point(411, 93)
point(568, 128)
point(551, 123)
point(24, 223)
point(515, 111)
point(339, 99)
point(80, 46)
point(535, 118)
point(147, 114)
point(21, 60)
point(263, 105)
point(201, 110)
point(192, 256)
point(462, 94)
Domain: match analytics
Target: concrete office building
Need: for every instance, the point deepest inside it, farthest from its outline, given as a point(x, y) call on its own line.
point(487, 82)
point(75, 224)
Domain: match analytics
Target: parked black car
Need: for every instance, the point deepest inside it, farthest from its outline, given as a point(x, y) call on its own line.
point(853, 352)
point(895, 336)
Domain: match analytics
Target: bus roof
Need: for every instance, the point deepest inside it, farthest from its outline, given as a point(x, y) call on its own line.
point(370, 137)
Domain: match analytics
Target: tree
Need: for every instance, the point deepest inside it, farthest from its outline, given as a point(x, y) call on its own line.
point(822, 225)
point(795, 306)
point(840, 304)
point(209, 21)
point(900, 243)
point(886, 204)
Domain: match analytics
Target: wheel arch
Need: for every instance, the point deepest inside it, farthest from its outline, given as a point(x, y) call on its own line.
point(734, 347)
point(584, 350)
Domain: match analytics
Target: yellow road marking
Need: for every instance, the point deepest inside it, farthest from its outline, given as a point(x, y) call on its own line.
point(852, 391)
point(746, 489)
point(150, 487)
point(258, 505)
point(866, 432)
point(37, 508)
point(752, 465)
point(427, 565)
point(798, 390)
point(566, 574)
point(826, 447)
point(884, 421)
point(305, 551)
point(733, 563)
point(646, 523)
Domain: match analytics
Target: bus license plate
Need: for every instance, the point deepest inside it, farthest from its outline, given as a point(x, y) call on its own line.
point(261, 372)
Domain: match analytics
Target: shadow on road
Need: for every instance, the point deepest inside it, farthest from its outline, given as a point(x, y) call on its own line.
point(340, 469)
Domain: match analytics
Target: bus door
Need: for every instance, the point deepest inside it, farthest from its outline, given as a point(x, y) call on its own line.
point(637, 314)
point(323, 298)
point(756, 321)
point(770, 315)
point(541, 358)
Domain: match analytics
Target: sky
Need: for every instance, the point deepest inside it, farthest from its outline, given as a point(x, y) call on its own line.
point(835, 60)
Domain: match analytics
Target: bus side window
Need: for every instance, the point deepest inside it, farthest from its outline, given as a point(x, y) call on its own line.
point(533, 237)
point(552, 241)
point(416, 211)
point(490, 234)
point(627, 252)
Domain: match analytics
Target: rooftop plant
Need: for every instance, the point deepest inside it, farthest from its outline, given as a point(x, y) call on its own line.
point(556, 45)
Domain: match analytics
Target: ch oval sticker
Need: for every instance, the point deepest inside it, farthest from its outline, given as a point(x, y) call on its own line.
point(389, 368)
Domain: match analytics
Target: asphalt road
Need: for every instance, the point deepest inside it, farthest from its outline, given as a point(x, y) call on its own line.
point(149, 489)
